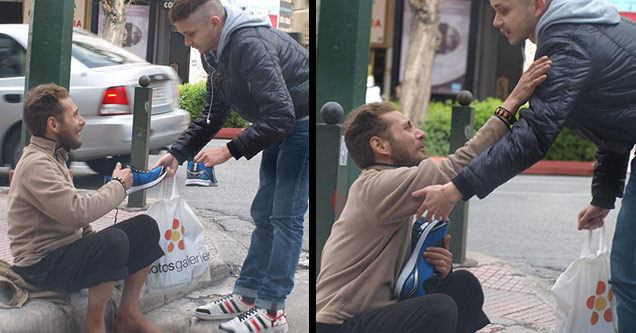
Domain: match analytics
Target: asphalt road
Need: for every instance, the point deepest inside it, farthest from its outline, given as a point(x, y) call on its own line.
point(531, 222)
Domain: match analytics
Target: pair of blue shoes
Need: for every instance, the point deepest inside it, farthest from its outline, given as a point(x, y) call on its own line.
point(143, 179)
point(418, 277)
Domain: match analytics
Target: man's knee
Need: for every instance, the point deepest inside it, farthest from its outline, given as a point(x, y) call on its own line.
point(116, 241)
point(467, 279)
point(149, 225)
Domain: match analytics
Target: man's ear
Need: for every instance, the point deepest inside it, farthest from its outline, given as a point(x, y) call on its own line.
point(540, 6)
point(52, 124)
point(380, 146)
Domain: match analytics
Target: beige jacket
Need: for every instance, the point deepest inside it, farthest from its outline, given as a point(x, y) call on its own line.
point(370, 242)
point(45, 210)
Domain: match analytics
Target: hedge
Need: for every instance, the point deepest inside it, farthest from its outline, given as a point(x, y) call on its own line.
point(192, 99)
point(567, 147)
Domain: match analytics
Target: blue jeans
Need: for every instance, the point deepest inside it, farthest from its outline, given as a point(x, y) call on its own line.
point(623, 258)
point(278, 211)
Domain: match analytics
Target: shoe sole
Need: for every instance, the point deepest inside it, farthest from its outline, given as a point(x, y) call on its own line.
point(282, 329)
point(146, 185)
point(198, 182)
point(412, 263)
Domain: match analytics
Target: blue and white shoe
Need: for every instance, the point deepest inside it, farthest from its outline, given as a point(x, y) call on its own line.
point(199, 175)
point(418, 277)
point(143, 179)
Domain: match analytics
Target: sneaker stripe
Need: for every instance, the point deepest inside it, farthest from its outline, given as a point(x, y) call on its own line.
point(262, 321)
point(235, 306)
point(229, 306)
point(258, 328)
point(223, 308)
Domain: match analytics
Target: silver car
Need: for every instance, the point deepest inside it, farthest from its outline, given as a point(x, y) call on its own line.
point(102, 83)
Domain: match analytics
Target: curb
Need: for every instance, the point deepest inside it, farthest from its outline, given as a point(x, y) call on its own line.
point(560, 168)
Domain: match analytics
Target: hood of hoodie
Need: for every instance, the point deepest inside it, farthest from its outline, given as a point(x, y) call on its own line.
point(577, 11)
point(238, 18)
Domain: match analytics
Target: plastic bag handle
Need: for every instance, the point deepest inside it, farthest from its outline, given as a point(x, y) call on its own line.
point(602, 244)
point(175, 193)
point(162, 189)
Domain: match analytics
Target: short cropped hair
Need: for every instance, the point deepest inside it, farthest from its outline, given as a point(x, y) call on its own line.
point(42, 102)
point(182, 9)
point(360, 126)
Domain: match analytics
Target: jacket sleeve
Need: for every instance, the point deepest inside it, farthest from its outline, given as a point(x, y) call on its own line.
point(608, 182)
point(538, 127)
point(199, 133)
point(262, 72)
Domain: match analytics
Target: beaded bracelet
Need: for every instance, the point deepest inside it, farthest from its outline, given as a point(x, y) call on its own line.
point(505, 115)
point(121, 181)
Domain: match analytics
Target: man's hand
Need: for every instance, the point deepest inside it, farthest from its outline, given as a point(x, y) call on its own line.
point(438, 202)
point(169, 162)
point(213, 157)
point(530, 79)
point(123, 174)
point(440, 257)
point(592, 217)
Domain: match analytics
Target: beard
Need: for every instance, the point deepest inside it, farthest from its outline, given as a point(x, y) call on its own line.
point(404, 157)
point(69, 139)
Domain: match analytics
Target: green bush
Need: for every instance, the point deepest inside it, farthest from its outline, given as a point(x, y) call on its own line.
point(192, 99)
point(567, 147)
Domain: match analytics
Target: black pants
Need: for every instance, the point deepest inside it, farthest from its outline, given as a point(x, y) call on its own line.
point(456, 307)
point(112, 254)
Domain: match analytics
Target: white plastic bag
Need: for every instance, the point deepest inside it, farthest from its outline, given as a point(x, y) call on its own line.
point(186, 260)
point(585, 302)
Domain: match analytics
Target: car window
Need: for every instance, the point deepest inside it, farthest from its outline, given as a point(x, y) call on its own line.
point(93, 51)
point(11, 57)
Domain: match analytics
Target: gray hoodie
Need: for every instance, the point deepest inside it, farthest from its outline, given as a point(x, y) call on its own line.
point(577, 11)
point(238, 18)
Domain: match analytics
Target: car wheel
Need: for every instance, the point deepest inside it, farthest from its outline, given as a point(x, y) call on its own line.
point(106, 165)
point(11, 147)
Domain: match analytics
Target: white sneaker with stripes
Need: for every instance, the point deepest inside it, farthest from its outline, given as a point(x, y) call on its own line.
point(257, 320)
point(224, 308)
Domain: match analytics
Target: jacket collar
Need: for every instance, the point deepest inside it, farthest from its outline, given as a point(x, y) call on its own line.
point(49, 146)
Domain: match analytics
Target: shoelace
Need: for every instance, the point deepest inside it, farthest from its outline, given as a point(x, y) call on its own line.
point(226, 298)
point(249, 313)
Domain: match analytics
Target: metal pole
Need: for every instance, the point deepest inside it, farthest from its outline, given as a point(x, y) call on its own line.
point(328, 137)
point(140, 135)
point(462, 125)
point(48, 58)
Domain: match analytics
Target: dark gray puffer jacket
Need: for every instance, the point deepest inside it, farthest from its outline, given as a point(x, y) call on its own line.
point(263, 74)
point(591, 89)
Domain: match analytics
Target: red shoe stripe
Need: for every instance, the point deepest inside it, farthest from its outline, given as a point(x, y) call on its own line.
point(258, 328)
point(228, 306)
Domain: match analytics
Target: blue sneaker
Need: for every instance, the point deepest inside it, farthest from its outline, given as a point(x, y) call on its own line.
point(418, 277)
point(143, 179)
point(199, 175)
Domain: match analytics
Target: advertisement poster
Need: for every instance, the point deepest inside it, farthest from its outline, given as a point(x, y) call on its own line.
point(136, 28)
point(270, 8)
point(449, 68)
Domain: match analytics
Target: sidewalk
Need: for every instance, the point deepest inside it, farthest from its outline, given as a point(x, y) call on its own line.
point(513, 301)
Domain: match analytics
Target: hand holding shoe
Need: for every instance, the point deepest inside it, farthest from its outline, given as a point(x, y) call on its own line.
point(124, 174)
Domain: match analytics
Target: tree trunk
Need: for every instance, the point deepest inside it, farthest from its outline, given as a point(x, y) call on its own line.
point(114, 21)
point(416, 84)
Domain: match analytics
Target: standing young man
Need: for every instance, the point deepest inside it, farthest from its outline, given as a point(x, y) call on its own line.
point(263, 74)
point(370, 243)
point(591, 89)
point(52, 242)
